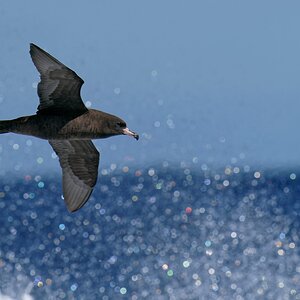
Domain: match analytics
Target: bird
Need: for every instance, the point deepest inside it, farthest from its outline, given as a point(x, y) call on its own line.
point(68, 125)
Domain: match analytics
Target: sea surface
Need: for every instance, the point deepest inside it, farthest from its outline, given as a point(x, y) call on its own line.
point(163, 232)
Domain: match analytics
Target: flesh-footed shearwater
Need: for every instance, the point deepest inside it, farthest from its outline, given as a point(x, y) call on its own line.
point(68, 125)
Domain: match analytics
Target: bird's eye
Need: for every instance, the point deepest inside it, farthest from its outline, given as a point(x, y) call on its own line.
point(121, 124)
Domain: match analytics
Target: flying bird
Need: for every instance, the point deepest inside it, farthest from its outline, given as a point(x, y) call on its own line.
point(68, 125)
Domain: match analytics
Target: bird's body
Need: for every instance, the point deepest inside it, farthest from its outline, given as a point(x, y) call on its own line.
point(92, 124)
point(68, 125)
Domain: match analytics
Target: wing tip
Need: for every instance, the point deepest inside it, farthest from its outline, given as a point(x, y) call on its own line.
point(34, 53)
point(74, 206)
point(72, 210)
point(33, 47)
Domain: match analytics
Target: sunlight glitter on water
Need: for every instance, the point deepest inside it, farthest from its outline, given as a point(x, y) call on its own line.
point(154, 232)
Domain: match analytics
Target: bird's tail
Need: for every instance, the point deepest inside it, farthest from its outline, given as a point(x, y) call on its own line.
point(5, 126)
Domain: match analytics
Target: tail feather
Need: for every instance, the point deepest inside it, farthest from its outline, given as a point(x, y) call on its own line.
point(5, 126)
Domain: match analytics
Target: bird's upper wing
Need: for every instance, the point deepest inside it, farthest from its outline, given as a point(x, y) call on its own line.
point(59, 88)
point(79, 160)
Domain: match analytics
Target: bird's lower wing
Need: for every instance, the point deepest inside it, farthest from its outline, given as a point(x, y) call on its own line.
point(79, 160)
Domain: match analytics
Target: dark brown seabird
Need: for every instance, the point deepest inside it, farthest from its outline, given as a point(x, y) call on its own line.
point(68, 125)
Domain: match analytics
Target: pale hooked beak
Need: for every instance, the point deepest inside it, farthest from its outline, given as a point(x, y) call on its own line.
point(130, 133)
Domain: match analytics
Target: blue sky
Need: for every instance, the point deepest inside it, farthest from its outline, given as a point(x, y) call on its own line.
point(207, 81)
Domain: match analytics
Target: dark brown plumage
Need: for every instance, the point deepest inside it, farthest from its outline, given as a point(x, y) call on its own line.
point(64, 120)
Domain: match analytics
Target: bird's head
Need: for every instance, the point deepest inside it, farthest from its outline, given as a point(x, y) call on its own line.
point(122, 128)
point(116, 126)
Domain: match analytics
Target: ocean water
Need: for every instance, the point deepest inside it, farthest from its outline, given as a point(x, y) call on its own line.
point(162, 232)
